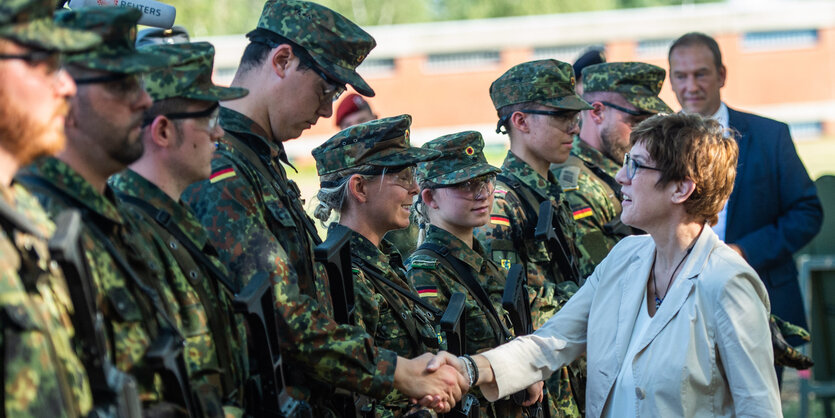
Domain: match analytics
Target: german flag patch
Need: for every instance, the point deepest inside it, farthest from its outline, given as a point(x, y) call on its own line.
point(499, 220)
point(582, 213)
point(427, 291)
point(222, 174)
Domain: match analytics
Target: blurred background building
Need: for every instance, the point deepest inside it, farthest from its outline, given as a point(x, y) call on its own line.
point(780, 57)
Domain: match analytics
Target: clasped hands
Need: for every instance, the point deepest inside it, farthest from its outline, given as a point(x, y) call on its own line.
point(439, 381)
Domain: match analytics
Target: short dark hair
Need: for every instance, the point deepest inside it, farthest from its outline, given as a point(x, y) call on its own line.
point(698, 38)
point(262, 42)
point(690, 146)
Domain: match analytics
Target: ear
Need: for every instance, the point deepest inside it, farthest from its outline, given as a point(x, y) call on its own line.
point(428, 197)
point(723, 74)
point(280, 59)
point(596, 113)
point(519, 121)
point(683, 190)
point(162, 131)
point(358, 188)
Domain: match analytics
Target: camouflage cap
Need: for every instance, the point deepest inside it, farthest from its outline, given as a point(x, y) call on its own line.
point(461, 159)
point(546, 82)
point(382, 142)
point(190, 77)
point(116, 53)
point(334, 42)
point(29, 22)
point(639, 83)
point(154, 36)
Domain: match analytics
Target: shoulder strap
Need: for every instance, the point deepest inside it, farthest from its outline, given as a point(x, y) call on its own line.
point(270, 173)
point(607, 179)
point(371, 271)
point(530, 204)
point(466, 274)
point(163, 218)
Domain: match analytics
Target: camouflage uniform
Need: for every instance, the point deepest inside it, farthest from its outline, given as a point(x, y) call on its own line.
point(394, 320)
point(135, 312)
point(215, 338)
point(255, 219)
point(436, 279)
point(132, 314)
point(594, 199)
point(41, 374)
point(508, 237)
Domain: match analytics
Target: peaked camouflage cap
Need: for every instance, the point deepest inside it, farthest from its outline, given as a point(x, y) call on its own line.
point(639, 83)
point(546, 82)
point(117, 28)
point(190, 77)
point(462, 158)
point(334, 42)
point(29, 22)
point(382, 142)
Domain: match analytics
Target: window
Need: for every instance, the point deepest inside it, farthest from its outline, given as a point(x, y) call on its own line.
point(462, 60)
point(783, 39)
point(653, 48)
point(806, 130)
point(568, 53)
point(373, 67)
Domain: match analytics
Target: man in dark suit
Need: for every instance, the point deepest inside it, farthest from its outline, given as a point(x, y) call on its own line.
point(774, 208)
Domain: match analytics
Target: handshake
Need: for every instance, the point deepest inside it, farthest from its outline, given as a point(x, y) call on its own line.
point(439, 381)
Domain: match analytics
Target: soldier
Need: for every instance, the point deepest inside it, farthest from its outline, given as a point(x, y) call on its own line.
point(298, 61)
point(179, 133)
point(622, 95)
point(367, 174)
point(539, 110)
point(456, 196)
point(591, 56)
point(103, 129)
point(41, 374)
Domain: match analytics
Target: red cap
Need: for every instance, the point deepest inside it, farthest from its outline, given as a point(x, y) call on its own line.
point(352, 103)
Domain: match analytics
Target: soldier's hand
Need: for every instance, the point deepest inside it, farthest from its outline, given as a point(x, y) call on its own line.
point(438, 389)
point(535, 394)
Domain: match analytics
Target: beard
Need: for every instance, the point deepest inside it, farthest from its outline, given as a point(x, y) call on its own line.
point(613, 148)
point(25, 137)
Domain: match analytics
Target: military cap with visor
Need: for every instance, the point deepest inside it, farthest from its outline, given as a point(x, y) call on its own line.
point(462, 159)
point(546, 82)
point(639, 83)
point(381, 143)
point(190, 77)
point(333, 42)
point(117, 28)
point(29, 23)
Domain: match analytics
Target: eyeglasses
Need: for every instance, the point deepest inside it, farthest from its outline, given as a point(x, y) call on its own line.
point(473, 189)
point(632, 166)
point(334, 88)
point(404, 177)
point(211, 114)
point(124, 86)
point(51, 60)
point(638, 116)
point(571, 116)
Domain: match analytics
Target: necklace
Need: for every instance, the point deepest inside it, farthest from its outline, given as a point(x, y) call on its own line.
point(669, 282)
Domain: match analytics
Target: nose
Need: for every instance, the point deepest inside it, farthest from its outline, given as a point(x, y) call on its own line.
point(621, 176)
point(217, 133)
point(65, 86)
point(575, 128)
point(413, 188)
point(144, 100)
point(326, 109)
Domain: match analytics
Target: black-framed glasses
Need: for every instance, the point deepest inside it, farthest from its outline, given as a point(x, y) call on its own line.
point(334, 88)
point(632, 166)
point(572, 116)
point(126, 86)
point(473, 189)
point(51, 60)
point(211, 114)
point(625, 110)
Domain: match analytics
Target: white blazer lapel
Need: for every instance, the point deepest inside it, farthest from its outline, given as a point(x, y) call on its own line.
point(682, 286)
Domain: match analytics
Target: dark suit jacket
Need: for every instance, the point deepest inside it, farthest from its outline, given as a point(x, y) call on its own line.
point(774, 208)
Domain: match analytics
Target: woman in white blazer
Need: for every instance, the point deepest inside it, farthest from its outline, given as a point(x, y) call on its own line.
point(674, 323)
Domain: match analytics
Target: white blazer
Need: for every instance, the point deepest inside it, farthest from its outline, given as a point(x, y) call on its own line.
point(706, 353)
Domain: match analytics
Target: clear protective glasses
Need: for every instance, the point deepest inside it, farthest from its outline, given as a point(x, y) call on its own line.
point(124, 86)
point(51, 60)
point(403, 177)
point(473, 189)
point(570, 117)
